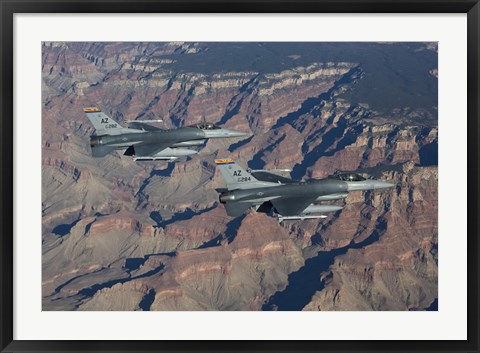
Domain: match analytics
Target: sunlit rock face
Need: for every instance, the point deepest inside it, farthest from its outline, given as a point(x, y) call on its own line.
point(124, 235)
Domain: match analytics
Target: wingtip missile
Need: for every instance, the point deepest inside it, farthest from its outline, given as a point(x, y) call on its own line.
point(298, 218)
point(144, 121)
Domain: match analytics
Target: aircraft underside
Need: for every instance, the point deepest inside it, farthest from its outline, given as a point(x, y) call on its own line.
point(314, 211)
point(166, 154)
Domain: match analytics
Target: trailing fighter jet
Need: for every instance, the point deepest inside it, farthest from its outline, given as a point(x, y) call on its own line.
point(146, 142)
point(289, 199)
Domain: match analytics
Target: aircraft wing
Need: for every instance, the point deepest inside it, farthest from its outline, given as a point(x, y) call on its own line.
point(142, 126)
point(292, 206)
point(151, 149)
point(271, 177)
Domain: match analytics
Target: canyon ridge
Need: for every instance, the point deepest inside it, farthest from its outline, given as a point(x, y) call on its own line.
point(124, 235)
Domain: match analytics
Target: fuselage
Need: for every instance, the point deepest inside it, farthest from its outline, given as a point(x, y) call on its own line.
point(289, 199)
point(324, 189)
point(297, 189)
point(180, 136)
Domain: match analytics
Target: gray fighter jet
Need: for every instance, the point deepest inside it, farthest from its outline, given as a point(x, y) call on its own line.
point(290, 199)
point(146, 142)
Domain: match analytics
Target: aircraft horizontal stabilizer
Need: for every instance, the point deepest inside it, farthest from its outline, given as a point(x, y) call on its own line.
point(101, 151)
point(235, 209)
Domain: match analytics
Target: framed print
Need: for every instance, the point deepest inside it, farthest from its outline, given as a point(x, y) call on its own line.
point(239, 176)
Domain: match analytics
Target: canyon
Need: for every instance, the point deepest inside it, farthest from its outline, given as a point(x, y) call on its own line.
point(124, 235)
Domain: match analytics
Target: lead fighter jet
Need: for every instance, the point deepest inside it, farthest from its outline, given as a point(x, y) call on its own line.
point(146, 142)
point(290, 199)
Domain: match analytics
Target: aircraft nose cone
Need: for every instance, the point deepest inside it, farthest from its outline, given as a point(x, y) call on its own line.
point(368, 185)
point(382, 185)
point(222, 133)
point(233, 133)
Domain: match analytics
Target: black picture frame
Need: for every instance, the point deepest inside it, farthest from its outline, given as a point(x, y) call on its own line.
point(9, 7)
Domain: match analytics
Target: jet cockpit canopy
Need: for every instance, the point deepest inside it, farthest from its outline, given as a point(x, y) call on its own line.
point(206, 126)
point(348, 177)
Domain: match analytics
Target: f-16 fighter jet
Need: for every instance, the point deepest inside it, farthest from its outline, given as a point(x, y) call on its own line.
point(290, 199)
point(146, 142)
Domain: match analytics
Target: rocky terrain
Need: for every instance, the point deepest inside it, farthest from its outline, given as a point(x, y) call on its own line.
point(126, 235)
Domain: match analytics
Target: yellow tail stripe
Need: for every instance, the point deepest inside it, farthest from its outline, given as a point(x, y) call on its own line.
point(91, 110)
point(223, 161)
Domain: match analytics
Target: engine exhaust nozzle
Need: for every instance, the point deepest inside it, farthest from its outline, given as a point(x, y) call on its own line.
point(226, 196)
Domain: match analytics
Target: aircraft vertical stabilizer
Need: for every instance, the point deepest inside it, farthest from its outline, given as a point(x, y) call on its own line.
point(238, 178)
point(103, 124)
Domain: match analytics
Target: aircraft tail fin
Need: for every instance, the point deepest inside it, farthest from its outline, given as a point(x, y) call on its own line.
point(104, 125)
point(236, 177)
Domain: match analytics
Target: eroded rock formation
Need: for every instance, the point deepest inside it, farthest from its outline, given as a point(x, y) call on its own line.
point(122, 235)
